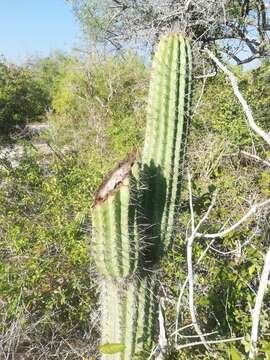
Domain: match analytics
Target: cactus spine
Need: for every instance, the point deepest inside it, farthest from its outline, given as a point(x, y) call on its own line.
point(133, 223)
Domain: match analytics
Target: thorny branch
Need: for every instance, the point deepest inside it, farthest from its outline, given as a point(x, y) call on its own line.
point(190, 269)
point(225, 232)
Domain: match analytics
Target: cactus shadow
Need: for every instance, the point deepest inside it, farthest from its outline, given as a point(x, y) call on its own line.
point(151, 207)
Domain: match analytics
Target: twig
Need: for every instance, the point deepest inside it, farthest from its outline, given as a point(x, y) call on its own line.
point(162, 339)
point(179, 347)
point(255, 157)
point(181, 329)
point(258, 304)
point(178, 310)
point(196, 336)
point(245, 106)
point(204, 77)
point(190, 270)
point(200, 259)
point(223, 233)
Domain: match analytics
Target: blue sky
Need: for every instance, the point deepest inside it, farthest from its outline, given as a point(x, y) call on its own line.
point(36, 27)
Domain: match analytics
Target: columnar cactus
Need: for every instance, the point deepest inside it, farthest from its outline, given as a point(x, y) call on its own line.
point(135, 206)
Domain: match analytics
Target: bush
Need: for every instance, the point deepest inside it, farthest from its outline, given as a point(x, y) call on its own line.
point(100, 104)
point(44, 262)
point(22, 97)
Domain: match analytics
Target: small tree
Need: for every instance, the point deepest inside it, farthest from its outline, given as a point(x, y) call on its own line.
point(240, 28)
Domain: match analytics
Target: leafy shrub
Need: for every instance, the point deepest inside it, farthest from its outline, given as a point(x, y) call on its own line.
point(101, 104)
point(220, 112)
point(22, 98)
point(44, 251)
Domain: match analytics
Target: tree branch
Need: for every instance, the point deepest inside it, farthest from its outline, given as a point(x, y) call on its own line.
point(179, 347)
point(246, 108)
point(258, 304)
point(190, 269)
point(223, 233)
point(162, 339)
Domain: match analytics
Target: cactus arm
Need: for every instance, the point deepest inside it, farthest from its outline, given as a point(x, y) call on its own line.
point(183, 105)
point(128, 312)
point(166, 119)
point(98, 248)
point(129, 322)
point(126, 229)
point(155, 93)
point(115, 248)
point(114, 233)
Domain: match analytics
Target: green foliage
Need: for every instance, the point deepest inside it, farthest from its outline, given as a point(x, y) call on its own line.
point(101, 105)
point(45, 208)
point(51, 70)
point(226, 279)
point(42, 216)
point(69, 85)
point(223, 115)
point(22, 97)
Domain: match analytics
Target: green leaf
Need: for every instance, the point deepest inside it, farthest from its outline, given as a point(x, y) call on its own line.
point(265, 347)
point(252, 269)
point(235, 354)
point(112, 348)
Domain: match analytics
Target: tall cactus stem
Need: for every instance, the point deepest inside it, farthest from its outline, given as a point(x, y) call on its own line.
point(167, 117)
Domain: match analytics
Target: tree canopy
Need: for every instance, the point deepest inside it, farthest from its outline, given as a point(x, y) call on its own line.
point(240, 28)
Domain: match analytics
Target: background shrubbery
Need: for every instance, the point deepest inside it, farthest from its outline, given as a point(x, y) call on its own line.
point(22, 96)
point(48, 289)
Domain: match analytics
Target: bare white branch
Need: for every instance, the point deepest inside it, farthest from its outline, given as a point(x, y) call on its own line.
point(190, 270)
point(193, 235)
point(255, 157)
point(197, 343)
point(258, 305)
point(246, 108)
point(162, 339)
point(223, 233)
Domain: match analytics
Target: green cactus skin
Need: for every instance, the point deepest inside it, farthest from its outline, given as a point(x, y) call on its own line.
point(128, 317)
point(165, 140)
point(115, 248)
